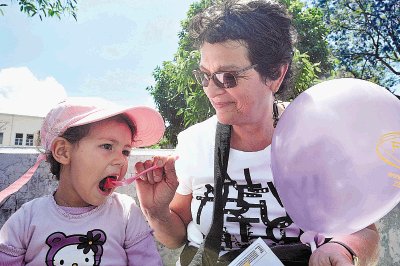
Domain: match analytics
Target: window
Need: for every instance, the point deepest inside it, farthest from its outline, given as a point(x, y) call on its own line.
point(29, 140)
point(18, 139)
point(1, 137)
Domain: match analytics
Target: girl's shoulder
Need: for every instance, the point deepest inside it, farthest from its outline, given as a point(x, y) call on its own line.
point(38, 203)
point(30, 209)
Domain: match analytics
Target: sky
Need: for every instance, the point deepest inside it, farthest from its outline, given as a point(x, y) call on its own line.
point(110, 52)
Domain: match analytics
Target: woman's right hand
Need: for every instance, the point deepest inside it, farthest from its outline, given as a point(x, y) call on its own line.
point(156, 188)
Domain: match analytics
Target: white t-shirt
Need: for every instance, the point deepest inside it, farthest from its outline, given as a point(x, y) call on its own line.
point(253, 208)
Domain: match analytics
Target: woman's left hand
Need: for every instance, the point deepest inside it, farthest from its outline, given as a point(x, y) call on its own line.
point(364, 243)
point(331, 254)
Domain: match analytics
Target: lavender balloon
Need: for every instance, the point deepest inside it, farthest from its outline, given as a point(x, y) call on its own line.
point(336, 156)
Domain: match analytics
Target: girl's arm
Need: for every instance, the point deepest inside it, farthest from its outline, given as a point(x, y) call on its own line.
point(9, 260)
point(11, 251)
point(144, 253)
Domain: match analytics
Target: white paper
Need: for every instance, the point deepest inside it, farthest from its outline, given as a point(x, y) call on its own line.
point(257, 254)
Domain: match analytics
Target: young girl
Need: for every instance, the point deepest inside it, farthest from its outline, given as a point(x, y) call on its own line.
point(87, 141)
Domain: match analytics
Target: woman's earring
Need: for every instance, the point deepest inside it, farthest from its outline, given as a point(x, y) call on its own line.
point(275, 112)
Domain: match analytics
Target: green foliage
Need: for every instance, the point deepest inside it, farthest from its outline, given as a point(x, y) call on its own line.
point(182, 102)
point(197, 106)
point(307, 72)
point(312, 33)
point(364, 36)
point(46, 8)
point(168, 100)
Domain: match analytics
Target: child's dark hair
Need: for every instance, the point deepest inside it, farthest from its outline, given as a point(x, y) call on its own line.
point(74, 134)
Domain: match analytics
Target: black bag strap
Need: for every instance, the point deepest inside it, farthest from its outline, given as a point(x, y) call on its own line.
point(208, 252)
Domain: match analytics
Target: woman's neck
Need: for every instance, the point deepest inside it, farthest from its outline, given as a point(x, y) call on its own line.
point(255, 137)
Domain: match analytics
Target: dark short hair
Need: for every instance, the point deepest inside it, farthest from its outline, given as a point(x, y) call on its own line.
point(263, 26)
point(74, 134)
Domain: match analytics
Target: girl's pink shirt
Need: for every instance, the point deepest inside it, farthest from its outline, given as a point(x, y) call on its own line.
point(128, 237)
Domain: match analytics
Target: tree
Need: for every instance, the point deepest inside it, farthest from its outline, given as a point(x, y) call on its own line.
point(182, 101)
point(176, 94)
point(46, 8)
point(312, 33)
point(364, 36)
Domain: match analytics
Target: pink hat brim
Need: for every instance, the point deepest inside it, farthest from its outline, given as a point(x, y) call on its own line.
point(148, 122)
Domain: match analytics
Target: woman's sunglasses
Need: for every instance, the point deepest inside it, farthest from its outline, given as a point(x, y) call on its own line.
point(222, 79)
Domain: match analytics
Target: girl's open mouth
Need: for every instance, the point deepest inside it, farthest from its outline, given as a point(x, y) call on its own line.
point(103, 182)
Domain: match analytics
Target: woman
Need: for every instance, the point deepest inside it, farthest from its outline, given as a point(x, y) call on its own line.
point(246, 52)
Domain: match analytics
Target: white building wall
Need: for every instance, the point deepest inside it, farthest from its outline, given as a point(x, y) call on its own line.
point(11, 124)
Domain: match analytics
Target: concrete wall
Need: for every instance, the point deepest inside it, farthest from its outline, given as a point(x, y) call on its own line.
point(15, 162)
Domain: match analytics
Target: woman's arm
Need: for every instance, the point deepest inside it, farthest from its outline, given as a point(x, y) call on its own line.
point(170, 225)
point(167, 212)
point(365, 244)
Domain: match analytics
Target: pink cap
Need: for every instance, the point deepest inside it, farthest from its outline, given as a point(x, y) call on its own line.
point(77, 111)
